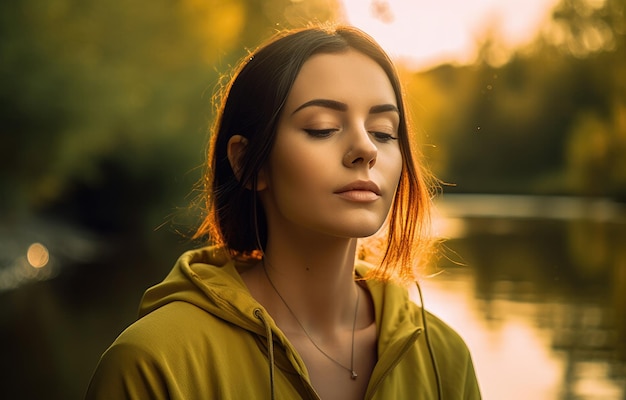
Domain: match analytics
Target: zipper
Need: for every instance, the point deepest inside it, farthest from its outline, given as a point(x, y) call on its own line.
point(409, 343)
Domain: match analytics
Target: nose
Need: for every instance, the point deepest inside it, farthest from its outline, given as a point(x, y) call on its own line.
point(361, 150)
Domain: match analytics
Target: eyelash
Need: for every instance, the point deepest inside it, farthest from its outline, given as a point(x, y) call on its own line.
point(320, 133)
point(324, 133)
point(383, 137)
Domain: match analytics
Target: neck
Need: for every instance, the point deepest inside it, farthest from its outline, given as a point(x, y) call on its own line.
point(316, 280)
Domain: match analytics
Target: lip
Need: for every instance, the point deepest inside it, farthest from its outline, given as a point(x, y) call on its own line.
point(362, 191)
point(368, 186)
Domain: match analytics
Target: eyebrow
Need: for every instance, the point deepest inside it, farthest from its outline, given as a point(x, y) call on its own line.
point(343, 107)
point(384, 108)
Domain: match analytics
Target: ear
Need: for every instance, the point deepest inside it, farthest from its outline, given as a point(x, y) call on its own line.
point(236, 149)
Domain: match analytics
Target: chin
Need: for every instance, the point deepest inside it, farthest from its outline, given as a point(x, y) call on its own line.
point(364, 232)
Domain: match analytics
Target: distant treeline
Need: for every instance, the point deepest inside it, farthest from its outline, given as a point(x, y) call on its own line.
point(106, 105)
point(551, 120)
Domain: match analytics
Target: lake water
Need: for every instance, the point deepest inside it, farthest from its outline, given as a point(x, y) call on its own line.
point(536, 287)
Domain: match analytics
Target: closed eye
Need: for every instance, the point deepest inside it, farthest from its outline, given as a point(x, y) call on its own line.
point(321, 133)
point(382, 136)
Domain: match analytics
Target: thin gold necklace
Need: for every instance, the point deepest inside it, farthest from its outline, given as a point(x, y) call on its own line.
point(353, 374)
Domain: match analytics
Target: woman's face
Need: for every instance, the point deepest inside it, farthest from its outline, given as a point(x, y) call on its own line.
point(336, 160)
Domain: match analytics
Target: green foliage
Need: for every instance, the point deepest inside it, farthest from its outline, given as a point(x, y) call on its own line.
point(108, 100)
point(549, 121)
point(105, 105)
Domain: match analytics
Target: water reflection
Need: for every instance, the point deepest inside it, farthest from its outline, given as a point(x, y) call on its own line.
point(540, 300)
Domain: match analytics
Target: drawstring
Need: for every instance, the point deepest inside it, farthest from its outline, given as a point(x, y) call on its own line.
point(270, 348)
point(430, 348)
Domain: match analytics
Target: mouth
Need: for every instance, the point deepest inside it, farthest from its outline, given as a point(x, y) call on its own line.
point(362, 191)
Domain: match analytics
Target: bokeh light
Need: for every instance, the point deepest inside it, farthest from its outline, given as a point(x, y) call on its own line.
point(37, 255)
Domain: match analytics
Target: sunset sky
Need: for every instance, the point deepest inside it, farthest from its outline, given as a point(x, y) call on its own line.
point(430, 32)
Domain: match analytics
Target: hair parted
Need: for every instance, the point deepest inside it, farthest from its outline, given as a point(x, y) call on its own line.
point(250, 105)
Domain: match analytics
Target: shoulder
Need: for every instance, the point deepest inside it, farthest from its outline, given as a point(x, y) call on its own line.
point(175, 326)
point(453, 361)
point(174, 333)
point(440, 356)
point(164, 354)
point(150, 339)
point(444, 336)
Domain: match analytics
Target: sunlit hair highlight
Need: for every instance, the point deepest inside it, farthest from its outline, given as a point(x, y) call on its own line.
point(251, 104)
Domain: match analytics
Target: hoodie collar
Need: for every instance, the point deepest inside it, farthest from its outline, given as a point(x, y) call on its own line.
point(208, 278)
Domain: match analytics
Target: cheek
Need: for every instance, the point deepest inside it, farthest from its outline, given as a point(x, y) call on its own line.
point(293, 169)
point(391, 165)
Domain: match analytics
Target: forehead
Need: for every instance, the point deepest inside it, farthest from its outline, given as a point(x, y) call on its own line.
point(350, 77)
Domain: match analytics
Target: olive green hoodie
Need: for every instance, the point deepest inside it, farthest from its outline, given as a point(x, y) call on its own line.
point(201, 335)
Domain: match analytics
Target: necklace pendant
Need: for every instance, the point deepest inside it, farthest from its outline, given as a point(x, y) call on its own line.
point(354, 375)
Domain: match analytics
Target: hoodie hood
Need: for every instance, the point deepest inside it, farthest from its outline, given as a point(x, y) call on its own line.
point(175, 346)
point(208, 278)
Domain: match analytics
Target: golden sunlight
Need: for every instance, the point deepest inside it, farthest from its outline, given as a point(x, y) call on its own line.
point(509, 353)
point(425, 33)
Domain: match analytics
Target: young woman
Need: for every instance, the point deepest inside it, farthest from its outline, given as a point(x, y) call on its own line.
point(311, 151)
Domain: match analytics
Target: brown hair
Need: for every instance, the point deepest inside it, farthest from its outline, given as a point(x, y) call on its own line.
point(251, 104)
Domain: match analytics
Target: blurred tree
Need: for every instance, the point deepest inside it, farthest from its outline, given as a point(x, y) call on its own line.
point(595, 154)
point(585, 27)
point(550, 120)
point(105, 104)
